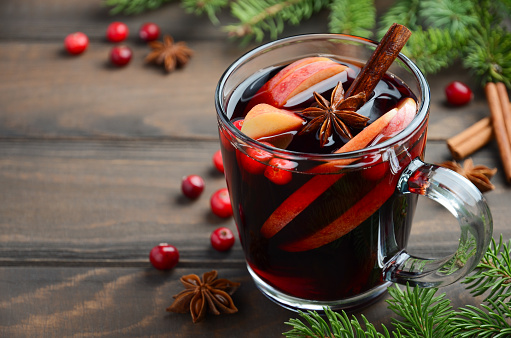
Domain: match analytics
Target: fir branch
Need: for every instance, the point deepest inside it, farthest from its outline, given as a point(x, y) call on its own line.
point(432, 49)
point(457, 16)
point(350, 17)
point(339, 325)
point(403, 12)
point(133, 6)
point(475, 322)
point(258, 17)
point(488, 55)
point(210, 7)
point(493, 274)
point(424, 315)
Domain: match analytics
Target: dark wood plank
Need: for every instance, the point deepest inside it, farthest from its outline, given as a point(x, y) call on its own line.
point(58, 302)
point(54, 19)
point(46, 93)
point(109, 202)
point(113, 201)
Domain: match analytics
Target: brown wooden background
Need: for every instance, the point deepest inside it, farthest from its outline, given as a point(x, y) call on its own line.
point(91, 159)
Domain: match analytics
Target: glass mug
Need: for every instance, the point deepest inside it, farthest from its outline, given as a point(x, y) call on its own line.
point(298, 238)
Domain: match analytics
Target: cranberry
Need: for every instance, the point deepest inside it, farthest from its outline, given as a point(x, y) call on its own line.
point(117, 32)
point(192, 186)
point(149, 31)
point(222, 239)
point(238, 123)
point(120, 55)
point(76, 43)
point(218, 162)
point(458, 93)
point(164, 256)
point(276, 172)
point(254, 161)
point(221, 204)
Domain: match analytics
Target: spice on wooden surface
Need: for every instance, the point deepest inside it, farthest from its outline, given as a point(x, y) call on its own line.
point(471, 139)
point(207, 295)
point(479, 175)
point(498, 100)
point(168, 53)
point(385, 53)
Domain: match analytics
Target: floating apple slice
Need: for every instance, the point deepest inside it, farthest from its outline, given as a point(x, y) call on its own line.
point(318, 184)
point(360, 211)
point(296, 78)
point(272, 124)
point(348, 221)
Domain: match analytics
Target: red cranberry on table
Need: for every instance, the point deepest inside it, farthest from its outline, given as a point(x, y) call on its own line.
point(149, 32)
point(164, 256)
point(120, 55)
point(192, 186)
point(222, 239)
point(458, 93)
point(117, 32)
point(76, 43)
point(218, 162)
point(221, 204)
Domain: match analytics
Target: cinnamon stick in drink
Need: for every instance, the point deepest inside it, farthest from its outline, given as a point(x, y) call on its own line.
point(386, 52)
point(499, 108)
point(471, 139)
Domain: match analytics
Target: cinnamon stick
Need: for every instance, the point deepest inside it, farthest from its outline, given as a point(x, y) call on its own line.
point(504, 103)
point(471, 139)
point(499, 108)
point(380, 61)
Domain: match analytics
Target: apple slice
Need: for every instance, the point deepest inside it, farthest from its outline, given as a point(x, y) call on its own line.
point(318, 184)
point(348, 221)
point(296, 78)
point(272, 124)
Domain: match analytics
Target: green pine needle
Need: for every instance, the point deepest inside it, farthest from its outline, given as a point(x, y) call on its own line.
point(259, 17)
point(432, 49)
point(422, 313)
point(133, 6)
point(454, 15)
point(403, 12)
point(493, 275)
point(209, 7)
point(350, 17)
point(488, 55)
point(338, 325)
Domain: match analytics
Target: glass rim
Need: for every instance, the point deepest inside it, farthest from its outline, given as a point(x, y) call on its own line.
point(417, 122)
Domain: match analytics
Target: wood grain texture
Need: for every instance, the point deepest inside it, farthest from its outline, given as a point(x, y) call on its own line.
point(91, 160)
point(82, 202)
point(92, 302)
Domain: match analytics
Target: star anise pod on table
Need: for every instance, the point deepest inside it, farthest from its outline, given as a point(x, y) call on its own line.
point(479, 175)
point(200, 296)
point(169, 53)
point(339, 114)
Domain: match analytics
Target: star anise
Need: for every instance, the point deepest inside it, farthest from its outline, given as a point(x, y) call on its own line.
point(200, 296)
point(479, 175)
point(169, 53)
point(339, 114)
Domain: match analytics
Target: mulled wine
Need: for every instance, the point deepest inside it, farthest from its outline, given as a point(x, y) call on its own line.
point(313, 229)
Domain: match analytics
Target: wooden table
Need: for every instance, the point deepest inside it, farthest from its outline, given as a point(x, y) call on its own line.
point(91, 159)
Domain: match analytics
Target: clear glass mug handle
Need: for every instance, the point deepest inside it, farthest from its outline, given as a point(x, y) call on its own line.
point(468, 206)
